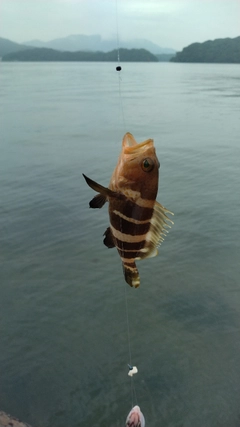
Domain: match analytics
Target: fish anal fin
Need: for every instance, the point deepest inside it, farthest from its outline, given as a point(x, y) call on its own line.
point(108, 240)
point(152, 252)
point(131, 274)
point(98, 201)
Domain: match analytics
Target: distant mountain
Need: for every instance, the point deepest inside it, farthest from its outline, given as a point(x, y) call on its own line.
point(165, 57)
point(95, 43)
point(216, 51)
point(7, 46)
point(44, 54)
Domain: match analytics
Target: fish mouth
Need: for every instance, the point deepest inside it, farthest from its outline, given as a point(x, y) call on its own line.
point(130, 144)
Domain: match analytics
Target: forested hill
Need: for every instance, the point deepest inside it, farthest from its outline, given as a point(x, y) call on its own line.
point(218, 51)
point(7, 46)
point(44, 54)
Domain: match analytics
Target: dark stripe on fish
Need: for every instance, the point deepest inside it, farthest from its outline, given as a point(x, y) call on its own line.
point(128, 227)
point(132, 210)
point(124, 254)
point(130, 246)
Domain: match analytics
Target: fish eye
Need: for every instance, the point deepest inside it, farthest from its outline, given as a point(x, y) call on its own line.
point(147, 165)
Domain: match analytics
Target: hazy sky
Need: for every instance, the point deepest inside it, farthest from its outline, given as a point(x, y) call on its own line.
point(169, 23)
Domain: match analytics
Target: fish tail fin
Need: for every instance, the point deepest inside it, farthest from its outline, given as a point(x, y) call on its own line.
point(131, 274)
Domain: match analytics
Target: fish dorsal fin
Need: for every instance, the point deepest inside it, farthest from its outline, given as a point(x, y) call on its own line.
point(157, 231)
point(98, 201)
point(108, 240)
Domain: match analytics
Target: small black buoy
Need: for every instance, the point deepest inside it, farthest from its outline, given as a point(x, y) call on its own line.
point(118, 68)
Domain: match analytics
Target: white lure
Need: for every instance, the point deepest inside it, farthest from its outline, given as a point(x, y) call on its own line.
point(135, 418)
point(132, 370)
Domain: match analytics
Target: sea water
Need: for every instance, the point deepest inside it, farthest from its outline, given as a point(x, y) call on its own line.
point(63, 325)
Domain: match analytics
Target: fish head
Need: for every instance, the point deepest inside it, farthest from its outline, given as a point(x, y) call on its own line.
point(137, 168)
point(135, 418)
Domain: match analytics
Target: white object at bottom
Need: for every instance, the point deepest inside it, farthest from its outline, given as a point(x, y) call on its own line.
point(135, 418)
point(133, 370)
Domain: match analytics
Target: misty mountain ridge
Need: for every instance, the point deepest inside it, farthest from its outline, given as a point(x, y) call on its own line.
point(45, 54)
point(7, 46)
point(94, 43)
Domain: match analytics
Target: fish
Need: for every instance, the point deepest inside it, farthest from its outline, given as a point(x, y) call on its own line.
point(138, 223)
point(135, 418)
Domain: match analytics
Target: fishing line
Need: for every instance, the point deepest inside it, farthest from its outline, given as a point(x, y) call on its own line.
point(117, 36)
point(128, 328)
point(119, 69)
point(133, 391)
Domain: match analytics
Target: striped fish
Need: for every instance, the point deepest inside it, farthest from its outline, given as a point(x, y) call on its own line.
point(137, 221)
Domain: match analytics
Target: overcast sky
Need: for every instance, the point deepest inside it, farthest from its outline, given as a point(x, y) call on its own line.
point(169, 23)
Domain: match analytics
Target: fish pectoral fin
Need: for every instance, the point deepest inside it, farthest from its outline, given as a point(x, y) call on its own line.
point(104, 191)
point(131, 274)
point(108, 240)
point(98, 201)
point(95, 186)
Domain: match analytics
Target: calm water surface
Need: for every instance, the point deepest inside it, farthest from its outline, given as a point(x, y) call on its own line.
point(63, 330)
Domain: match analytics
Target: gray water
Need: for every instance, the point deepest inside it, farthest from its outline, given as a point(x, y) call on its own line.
point(63, 329)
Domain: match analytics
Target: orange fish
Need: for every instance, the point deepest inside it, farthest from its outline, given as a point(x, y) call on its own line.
point(137, 221)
